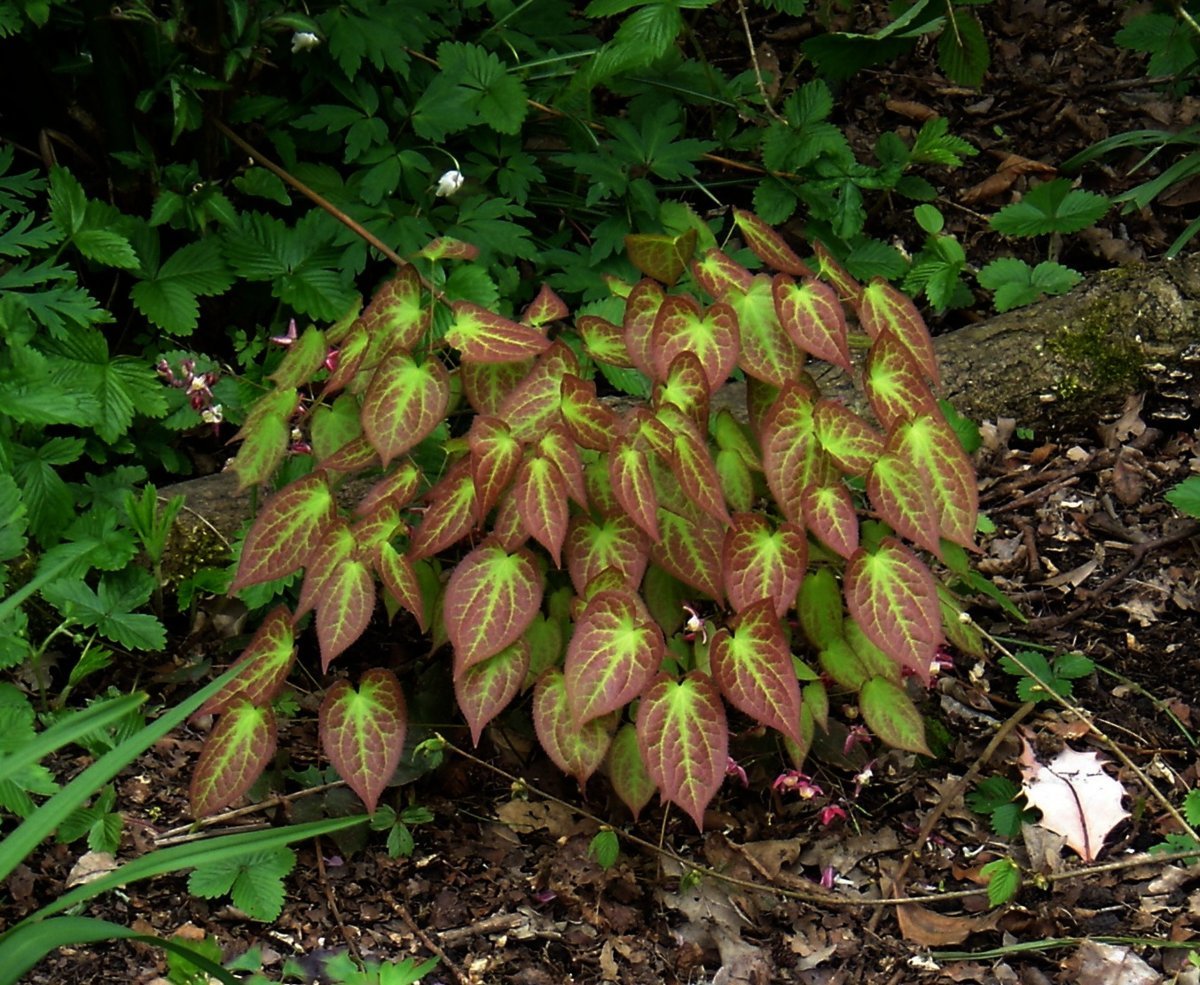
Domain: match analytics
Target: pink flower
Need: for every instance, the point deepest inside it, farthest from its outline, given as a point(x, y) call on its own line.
point(827, 876)
point(793, 781)
point(734, 768)
point(832, 813)
point(286, 340)
point(857, 735)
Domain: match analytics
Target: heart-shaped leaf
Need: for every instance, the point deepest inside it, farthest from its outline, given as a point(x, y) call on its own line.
point(362, 732)
point(235, 753)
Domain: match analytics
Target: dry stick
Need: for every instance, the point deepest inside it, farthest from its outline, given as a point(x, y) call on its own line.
point(404, 914)
point(191, 832)
point(947, 799)
point(758, 77)
point(331, 899)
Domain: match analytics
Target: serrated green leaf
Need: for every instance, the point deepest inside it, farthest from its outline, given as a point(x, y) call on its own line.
point(891, 715)
point(1004, 879)
point(627, 771)
point(1185, 496)
point(1052, 207)
point(253, 881)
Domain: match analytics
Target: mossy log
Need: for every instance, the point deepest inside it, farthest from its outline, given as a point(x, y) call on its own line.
point(1066, 361)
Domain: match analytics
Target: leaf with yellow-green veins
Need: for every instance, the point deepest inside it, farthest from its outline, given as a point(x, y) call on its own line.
point(495, 458)
point(661, 256)
point(374, 528)
point(768, 245)
point(546, 645)
point(902, 497)
point(450, 515)
point(399, 486)
point(820, 608)
point(506, 528)
point(395, 319)
point(577, 750)
point(268, 658)
point(400, 580)
point(752, 665)
point(344, 609)
point(876, 662)
point(890, 714)
point(712, 334)
point(789, 447)
point(685, 388)
point(829, 512)
point(545, 308)
point(301, 360)
point(612, 656)
point(690, 549)
point(533, 404)
point(482, 336)
point(485, 690)
point(486, 385)
point(448, 248)
point(333, 426)
point(633, 485)
point(884, 308)
point(335, 547)
point(290, 525)
point(589, 422)
point(362, 732)
point(851, 442)
point(929, 442)
point(355, 455)
point(234, 755)
point(813, 317)
point(598, 484)
point(556, 445)
point(692, 465)
point(491, 598)
point(351, 358)
point(842, 664)
point(829, 270)
point(731, 435)
point(761, 561)
point(594, 545)
point(626, 771)
point(893, 597)
point(542, 505)
point(641, 311)
point(719, 274)
point(603, 341)
point(767, 351)
point(264, 437)
point(608, 580)
point(893, 382)
point(683, 736)
point(404, 402)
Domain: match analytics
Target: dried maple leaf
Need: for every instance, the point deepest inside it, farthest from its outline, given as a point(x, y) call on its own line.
point(1078, 800)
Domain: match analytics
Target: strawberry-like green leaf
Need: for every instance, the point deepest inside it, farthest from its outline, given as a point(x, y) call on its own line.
point(767, 352)
point(893, 597)
point(495, 458)
point(685, 388)
point(485, 689)
point(547, 307)
point(813, 317)
point(450, 515)
point(264, 436)
point(895, 387)
point(612, 656)
point(482, 336)
point(661, 256)
point(752, 666)
point(486, 385)
point(768, 245)
point(627, 772)
point(891, 715)
point(404, 402)
point(690, 549)
point(290, 525)
point(491, 599)
point(394, 320)
point(235, 753)
point(718, 274)
point(268, 658)
point(902, 496)
point(712, 334)
point(448, 248)
point(829, 270)
point(684, 740)
point(761, 561)
point(929, 442)
point(590, 423)
point(820, 608)
point(633, 485)
point(399, 578)
point(541, 496)
point(641, 312)
point(362, 732)
point(577, 750)
point(533, 405)
point(344, 609)
point(604, 341)
point(885, 308)
point(851, 442)
point(613, 542)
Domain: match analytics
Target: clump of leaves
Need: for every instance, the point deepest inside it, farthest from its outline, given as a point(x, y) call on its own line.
point(1052, 207)
point(566, 546)
point(254, 881)
point(1040, 678)
point(1000, 800)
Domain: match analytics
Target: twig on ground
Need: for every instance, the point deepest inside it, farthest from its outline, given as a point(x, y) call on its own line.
point(193, 831)
point(331, 899)
point(403, 913)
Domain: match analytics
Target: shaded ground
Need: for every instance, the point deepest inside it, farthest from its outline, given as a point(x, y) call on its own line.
point(500, 884)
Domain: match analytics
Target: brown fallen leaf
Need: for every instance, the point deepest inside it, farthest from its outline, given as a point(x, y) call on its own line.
point(929, 928)
point(912, 110)
point(1010, 168)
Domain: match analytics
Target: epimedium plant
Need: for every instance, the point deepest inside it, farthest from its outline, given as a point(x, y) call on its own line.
point(639, 566)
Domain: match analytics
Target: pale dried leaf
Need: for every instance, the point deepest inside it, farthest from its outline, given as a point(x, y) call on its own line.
point(1107, 964)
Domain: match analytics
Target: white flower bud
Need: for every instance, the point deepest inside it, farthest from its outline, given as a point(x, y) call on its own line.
point(304, 41)
point(449, 183)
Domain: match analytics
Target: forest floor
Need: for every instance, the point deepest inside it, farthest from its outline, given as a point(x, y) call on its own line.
point(501, 887)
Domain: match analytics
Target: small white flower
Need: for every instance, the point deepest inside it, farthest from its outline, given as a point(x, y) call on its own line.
point(304, 41)
point(212, 415)
point(449, 183)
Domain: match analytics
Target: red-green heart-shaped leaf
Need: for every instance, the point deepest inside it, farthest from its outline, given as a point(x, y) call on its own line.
point(902, 496)
point(355, 455)
point(362, 732)
point(398, 487)
point(448, 248)
point(336, 546)
point(541, 496)
point(690, 549)
point(891, 715)
point(545, 308)
point(718, 274)
point(484, 690)
point(680, 326)
point(269, 656)
point(884, 308)
point(577, 750)
point(487, 385)
point(820, 608)
point(760, 562)
point(614, 542)
point(533, 405)
point(661, 256)
point(893, 597)
point(291, 524)
point(829, 512)
point(613, 654)
point(849, 440)
point(450, 515)
point(604, 341)
point(633, 485)
point(813, 317)
point(768, 245)
point(692, 464)
point(264, 437)
point(395, 320)
point(685, 388)
point(829, 270)
point(351, 358)
point(789, 447)
point(482, 336)
point(768, 352)
point(556, 445)
point(301, 360)
point(495, 458)
point(684, 741)
point(752, 665)
point(893, 381)
point(627, 772)
point(491, 599)
point(641, 312)
point(235, 753)
point(591, 424)
point(399, 577)
point(929, 442)
point(344, 609)
point(404, 402)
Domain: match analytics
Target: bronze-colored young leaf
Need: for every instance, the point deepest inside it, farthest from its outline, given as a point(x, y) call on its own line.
point(641, 311)
point(661, 256)
point(767, 350)
point(829, 511)
point(533, 405)
point(611, 542)
point(633, 485)
point(290, 525)
point(577, 750)
point(482, 336)
point(356, 455)
point(690, 549)
point(485, 689)
point(450, 515)
point(590, 423)
point(404, 402)
point(399, 486)
point(362, 732)
point(344, 609)
point(685, 388)
point(269, 656)
point(895, 387)
point(264, 436)
point(301, 360)
point(627, 772)
point(789, 446)
point(395, 319)
point(718, 274)
point(885, 308)
point(495, 458)
point(399, 578)
point(929, 442)
point(604, 341)
point(762, 561)
point(813, 317)
point(234, 755)
point(850, 441)
point(712, 334)
point(829, 270)
point(336, 546)
point(768, 245)
point(448, 248)
point(903, 498)
point(541, 493)
point(547, 307)
point(486, 385)
point(491, 599)
point(692, 464)
point(556, 446)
